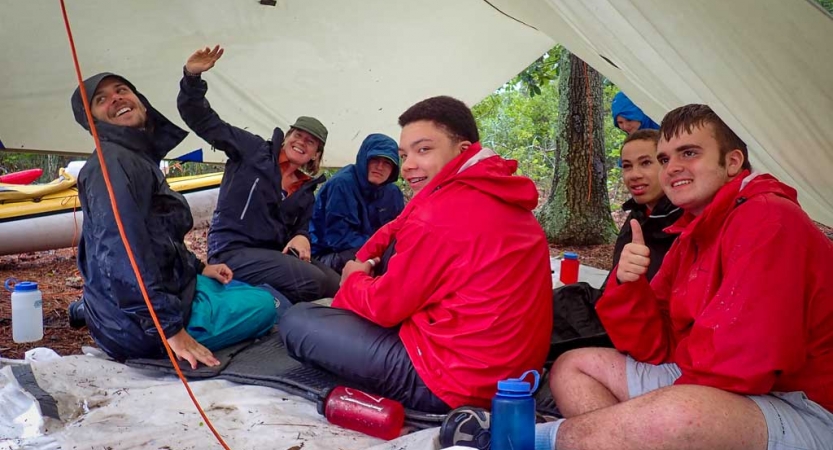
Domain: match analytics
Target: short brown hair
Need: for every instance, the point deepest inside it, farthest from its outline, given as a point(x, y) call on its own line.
point(685, 118)
point(645, 134)
point(448, 113)
point(314, 165)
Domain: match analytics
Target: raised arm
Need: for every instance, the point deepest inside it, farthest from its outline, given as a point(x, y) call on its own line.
point(635, 316)
point(198, 115)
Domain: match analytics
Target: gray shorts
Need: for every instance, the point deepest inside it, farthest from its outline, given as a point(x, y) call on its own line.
point(793, 421)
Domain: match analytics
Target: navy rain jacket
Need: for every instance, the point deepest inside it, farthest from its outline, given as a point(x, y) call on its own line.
point(251, 211)
point(349, 209)
point(155, 219)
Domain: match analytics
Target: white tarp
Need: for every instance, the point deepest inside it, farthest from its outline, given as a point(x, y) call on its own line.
point(765, 66)
point(104, 404)
point(355, 65)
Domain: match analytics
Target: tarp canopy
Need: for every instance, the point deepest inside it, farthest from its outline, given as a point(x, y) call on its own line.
point(765, 66)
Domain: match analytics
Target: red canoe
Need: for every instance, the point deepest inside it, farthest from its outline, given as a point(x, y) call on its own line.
point(22, 177)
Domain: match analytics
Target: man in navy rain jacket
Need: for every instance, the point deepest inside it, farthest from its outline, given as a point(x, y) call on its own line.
point(198, 307)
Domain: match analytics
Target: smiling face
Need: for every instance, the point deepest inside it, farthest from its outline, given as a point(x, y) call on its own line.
point(378, 170)
point(115, 103)
point(692, 170)
point(424, 149)
point(628, 126)
point(300, 147)
point(640, 171)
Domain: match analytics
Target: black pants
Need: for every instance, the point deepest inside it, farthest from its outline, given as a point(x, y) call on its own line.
point(336, 261)
point(298, 280)
point(575, 323)
point(359, 351)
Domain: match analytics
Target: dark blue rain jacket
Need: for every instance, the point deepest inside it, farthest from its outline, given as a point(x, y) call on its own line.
point(349, 209)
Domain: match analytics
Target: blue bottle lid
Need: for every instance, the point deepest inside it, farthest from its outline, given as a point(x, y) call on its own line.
point(12, 285)
point(570, 255)
point(517, 387)
point(24, 286)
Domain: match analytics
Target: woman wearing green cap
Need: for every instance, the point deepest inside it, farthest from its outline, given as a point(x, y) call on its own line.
point(260, 228)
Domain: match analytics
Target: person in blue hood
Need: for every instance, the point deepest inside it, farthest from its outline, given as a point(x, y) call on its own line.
point(628, 117)
point(199, 307)
point(356, 202)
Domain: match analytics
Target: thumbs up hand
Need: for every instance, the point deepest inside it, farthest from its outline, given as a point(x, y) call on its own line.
point(634, 260)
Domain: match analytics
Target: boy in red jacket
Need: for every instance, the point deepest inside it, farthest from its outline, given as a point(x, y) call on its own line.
point(731, 344)
point(465, 299)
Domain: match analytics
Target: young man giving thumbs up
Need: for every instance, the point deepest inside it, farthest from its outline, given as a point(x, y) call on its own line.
point(731, 344)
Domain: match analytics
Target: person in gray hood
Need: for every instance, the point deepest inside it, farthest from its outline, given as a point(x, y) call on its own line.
point(199, 307)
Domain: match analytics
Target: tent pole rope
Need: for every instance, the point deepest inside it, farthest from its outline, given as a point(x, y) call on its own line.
point(120, 226)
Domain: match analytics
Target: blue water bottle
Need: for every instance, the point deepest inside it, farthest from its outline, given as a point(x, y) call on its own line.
point(513, 414)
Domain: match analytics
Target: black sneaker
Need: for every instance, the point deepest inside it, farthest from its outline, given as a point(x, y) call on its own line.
point(77, 315)
point(466, 426)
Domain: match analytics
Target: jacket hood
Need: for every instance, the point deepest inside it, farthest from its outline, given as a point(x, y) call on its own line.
point(743, 188)
point(376, 145)
point(484, 170)
point(623, 106)
point(159, 136)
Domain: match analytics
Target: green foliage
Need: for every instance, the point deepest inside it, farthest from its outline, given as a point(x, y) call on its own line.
point(518, 121)
point(826, 4)
point(522, 128)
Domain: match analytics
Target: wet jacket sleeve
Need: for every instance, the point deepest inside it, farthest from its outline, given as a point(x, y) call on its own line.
point(636, 315)
point(198, 115)
point(133, 191)
point(753, 327)
point(423, 267)
point(377, 244)
point(342, 220)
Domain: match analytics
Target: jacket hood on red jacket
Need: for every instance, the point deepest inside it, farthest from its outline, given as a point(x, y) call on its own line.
point(483, 169)
point(743, 188)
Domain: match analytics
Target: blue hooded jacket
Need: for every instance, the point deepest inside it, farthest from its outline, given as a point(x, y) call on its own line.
point(349, 209)
point(623, 106)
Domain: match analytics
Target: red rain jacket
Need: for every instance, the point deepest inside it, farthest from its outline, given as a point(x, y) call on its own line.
point(470, 283)
point(743, 301)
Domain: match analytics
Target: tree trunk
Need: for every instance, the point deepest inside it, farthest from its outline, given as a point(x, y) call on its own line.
point(577, 211)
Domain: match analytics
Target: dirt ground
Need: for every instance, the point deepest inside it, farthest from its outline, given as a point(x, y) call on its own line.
point(58, 278)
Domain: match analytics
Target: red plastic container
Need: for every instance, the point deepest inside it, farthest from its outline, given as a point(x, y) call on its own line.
point(569, 268)
point(369, 414)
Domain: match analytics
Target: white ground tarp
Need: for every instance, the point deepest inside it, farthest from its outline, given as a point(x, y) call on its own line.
point(104, 404)
point(766, 66)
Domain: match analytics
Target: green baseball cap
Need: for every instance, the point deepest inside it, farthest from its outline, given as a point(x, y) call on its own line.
point(312, 126)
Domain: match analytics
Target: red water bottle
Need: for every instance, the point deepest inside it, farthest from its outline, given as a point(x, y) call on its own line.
point(357, 410)
point(569, 268)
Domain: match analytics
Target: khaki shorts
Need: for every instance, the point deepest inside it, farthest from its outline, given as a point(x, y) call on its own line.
point(793, 421)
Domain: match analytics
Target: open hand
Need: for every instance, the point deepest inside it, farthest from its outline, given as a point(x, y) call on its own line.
point(635, 258)
point(203, 60)
point(219, 272)
point(185, 347)
point(301, 245)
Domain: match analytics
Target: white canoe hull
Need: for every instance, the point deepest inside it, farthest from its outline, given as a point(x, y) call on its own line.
point(61, 230)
